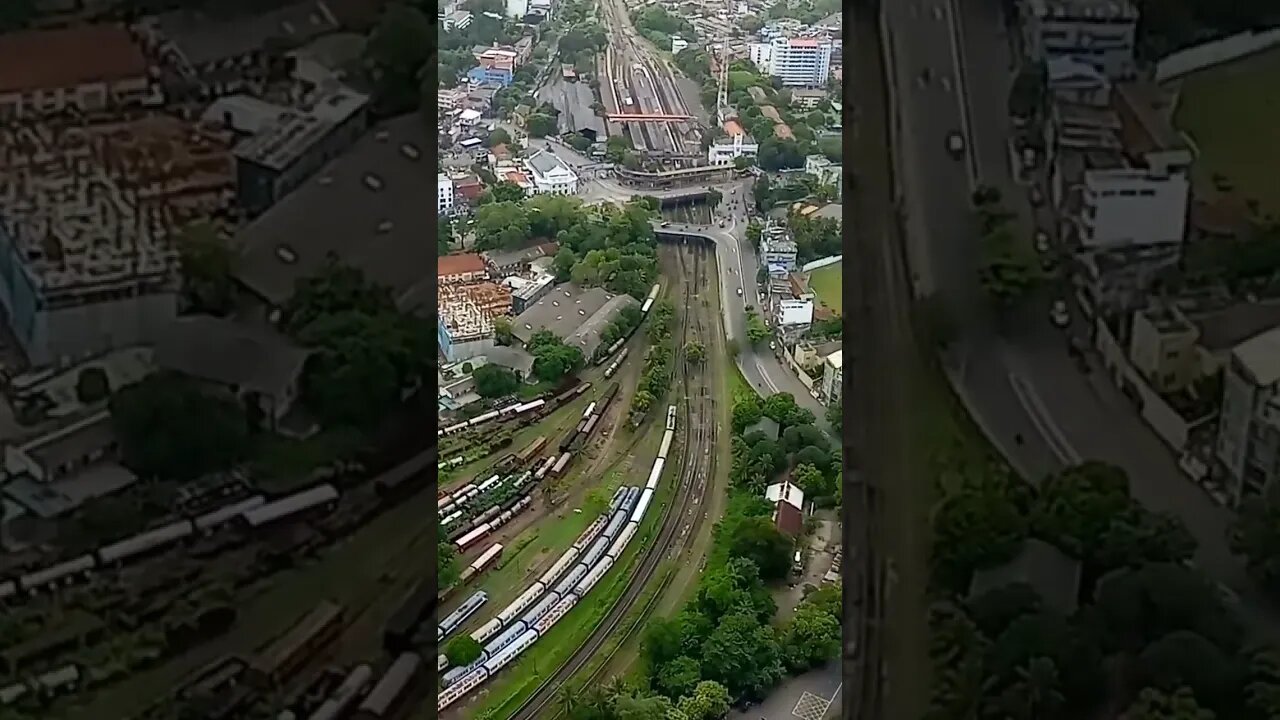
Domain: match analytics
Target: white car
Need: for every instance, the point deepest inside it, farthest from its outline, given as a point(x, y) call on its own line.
point(1058, 314)
point(1042, 242)
point(739, 292)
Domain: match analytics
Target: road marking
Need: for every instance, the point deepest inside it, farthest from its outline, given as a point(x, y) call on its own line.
point(962, 98)
point(765, 376)
point(1040, 417)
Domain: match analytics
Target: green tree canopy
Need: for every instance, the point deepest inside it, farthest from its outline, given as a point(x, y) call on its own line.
point(170, 429)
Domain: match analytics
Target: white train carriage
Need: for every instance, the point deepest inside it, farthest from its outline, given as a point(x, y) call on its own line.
point(645, 498)
point(620, 543)
point(145, 542)
point(591, 407)
point(655, 473)
point(667, 437)
point(61, 573)
point(671, 417)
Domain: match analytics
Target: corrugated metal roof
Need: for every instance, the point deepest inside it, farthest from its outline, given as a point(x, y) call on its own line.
point(292, 504)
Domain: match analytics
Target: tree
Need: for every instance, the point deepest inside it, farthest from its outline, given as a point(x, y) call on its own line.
point(92, 385)
point(810, 638)
point(995, 609)
point(498, 137)
point(747, 411)
point(17, 14)
point(978, 527)
point(398, 51)
point(642, 706)
point(742, 654)
point(758, 540)
point(502, 330)
point(494, 381)
point(1048, 635)
point(1007, 274)
point(335, 288)
point(503, 192)
point(1035, 694)
point(552, 359)
point(205, 260)
point(463, 650)
point(1153, 704)
point(361, 365)
point(835, 416)
point(709, 701)
point(501, 225)
point(1076, 507)
point(541, 125)
point(1256, 536)
point(1185, 659)
point(170, 429)
point(1136, 607)
point(1262, 689)
point(694, 352)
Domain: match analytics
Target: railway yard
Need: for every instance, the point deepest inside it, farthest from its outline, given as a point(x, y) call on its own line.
point(577, 581)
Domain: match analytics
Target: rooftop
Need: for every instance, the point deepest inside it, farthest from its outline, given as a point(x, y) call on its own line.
point(1260, 357)
point(459, 264)
point(562, 311)
point(587, 336)
point(509, 357)
point(295, 132)
point(788, 519)
point(836, 359)
point(365, 207)
point(784, 492)
point(203, 37)
point(1090, 9)
point(1051, 573)
point(231, 353)
point(1167, 319)
point(545, 163)
point(764, 425)
point(1225, 328)
point(37, 59)
point(73, 442)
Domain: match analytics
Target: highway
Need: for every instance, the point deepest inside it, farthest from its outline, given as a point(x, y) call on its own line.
point(1017, 379)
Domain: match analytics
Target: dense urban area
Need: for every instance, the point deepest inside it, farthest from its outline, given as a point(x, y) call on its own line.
point(639, 331)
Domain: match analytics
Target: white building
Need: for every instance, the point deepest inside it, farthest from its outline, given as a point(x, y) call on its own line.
point(517, 9)
point(777, 249)
point(551, 176)
point(832, 377)
point(444, 195)
point(797, 61)
point(677, 44)
point(1098, 32)
point(1248, 444)
point(736, 143)
point(827, 172)
point(794, 312)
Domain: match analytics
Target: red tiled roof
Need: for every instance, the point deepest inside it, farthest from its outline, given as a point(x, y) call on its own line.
point(459, 264)
point(39, 59)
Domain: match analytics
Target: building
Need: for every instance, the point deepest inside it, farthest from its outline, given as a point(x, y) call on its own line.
point(1248, 444)
point(515, 262)
point(765, 426)
point(493, 71)
point(778, 252)
point(827, 172)
point(788, 508)
point(833, 377)
point(215, 55)
point(1164, 348)
point(362, 208)
point(735, 144)
point(798, 61)
point(527, 292)
point(514, 359)
point(572, 314)
point(460, 268)
point(444, 195)
point(551, 176)
point(808, 99)
point(458, 20)
point(90, 68)
point(1051, 573)
point(257, 366)
point(465, 320)
point(1101, 33)
point(791, 312)
point(87, 264)
point(65, 451)
point(274, 162)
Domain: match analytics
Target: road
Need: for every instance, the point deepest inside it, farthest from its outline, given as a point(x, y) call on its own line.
point(1017, 379)
point(736, 260)
point(815, 695)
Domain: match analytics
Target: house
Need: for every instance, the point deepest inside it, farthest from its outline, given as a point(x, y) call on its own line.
point(1051, 573)
point(514, 359)
point(778, 252)
point(788, 508)
point(551, 176)
point(460, 268)
point(258, 366)
point(826, 172)
point(833, 377)
point(492, 71)
point(65, 451)
point(89, 68)
point(1247, 451)
point(515, 262)
point(444, 195)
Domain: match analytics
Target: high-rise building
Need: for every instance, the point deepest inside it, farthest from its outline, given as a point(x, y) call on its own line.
point(444, 195)
point(797, 61)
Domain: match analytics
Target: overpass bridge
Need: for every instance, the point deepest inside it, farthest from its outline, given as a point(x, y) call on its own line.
point(699, 175)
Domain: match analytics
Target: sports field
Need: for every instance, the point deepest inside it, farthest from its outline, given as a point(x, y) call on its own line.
point(826, 283)
point(1231, 113)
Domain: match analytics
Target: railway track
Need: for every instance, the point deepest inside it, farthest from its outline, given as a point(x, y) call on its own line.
point(697, 433)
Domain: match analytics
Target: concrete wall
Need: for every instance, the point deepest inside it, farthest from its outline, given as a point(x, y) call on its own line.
point(1200, 57)
point(821, 263)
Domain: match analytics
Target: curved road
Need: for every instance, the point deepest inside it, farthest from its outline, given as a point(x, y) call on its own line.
point(1020, 379)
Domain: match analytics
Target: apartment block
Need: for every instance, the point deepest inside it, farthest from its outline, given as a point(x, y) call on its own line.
point(1247, 451)
point(444, 195)
point(1100, 33)
point(797, 61)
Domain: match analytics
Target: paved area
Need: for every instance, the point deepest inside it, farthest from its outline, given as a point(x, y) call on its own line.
point(812, 696)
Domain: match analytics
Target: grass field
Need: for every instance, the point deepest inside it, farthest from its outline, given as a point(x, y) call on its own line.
point(1232, 115)
point(826, 283)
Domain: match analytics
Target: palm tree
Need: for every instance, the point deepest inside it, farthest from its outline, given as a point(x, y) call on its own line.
point(963, 690)
point(568, 700)
point(1035, 694)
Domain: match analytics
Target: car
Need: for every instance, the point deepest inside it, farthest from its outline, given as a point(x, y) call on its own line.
point(1058, 314)
point(1037, 197)
point(955, 144)
point(666, 224)
point(772, 346)
point(721, 223)
point(1042, 242)
point(739, 292)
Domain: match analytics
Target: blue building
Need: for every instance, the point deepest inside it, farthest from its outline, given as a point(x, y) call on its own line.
point(481, 75)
